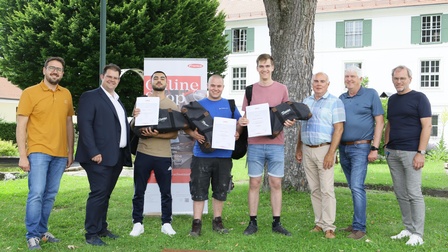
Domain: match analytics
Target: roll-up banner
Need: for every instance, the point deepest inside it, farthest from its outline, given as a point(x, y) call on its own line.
point(186, 82)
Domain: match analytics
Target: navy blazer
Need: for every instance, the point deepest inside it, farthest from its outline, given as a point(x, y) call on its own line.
point(99, 130)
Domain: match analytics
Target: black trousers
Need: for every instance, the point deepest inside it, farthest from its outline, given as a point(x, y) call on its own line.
point(102, 180)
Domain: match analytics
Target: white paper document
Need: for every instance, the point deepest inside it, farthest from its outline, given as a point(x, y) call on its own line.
point(259, 120)
point(149, 111)
point(223, 136)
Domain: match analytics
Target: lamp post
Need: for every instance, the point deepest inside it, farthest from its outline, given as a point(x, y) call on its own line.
point(102, 35)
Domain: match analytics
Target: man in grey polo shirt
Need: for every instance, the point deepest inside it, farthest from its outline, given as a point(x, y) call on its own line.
point(359, 143)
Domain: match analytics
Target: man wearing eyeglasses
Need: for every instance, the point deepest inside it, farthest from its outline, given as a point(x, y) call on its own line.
point(44, 136)
point(103, 149)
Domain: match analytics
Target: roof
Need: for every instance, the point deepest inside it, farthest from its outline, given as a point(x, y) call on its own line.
point(237, 9)
point(9, 90)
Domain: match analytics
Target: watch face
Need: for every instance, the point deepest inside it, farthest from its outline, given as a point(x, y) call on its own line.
point(422, 152)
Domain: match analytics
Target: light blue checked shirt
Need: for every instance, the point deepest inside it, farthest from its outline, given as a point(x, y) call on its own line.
point(326, 111)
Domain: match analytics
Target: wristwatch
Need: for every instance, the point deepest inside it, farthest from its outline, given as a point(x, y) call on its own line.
point(373, 148)
point(423, 152)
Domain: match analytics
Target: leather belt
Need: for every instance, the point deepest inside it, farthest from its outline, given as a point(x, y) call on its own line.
point(317, 146)
point(357, 142)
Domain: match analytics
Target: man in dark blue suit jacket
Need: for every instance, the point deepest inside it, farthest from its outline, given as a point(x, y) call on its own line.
point(103, 149)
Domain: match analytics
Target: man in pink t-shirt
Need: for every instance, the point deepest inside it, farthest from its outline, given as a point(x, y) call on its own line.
point(263, 149)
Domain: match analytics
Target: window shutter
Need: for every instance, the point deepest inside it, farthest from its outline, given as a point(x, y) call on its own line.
point(250, 39)
point(416, 30)
point(340, 34)
point(367, 33)
point(228, 34)
point(444, 31)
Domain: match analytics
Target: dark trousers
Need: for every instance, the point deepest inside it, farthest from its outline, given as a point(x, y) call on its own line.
point(102, 180)
point(143, 166)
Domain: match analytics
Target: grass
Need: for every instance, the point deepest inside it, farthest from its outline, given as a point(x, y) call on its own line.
point(67, 220)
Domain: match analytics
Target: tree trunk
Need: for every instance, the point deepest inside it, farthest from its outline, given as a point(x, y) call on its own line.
point(291, 30)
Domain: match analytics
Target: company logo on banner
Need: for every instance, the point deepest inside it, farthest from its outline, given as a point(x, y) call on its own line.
point(186, 82)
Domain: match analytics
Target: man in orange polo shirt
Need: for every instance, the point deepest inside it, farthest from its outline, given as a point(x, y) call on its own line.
point(45, 141)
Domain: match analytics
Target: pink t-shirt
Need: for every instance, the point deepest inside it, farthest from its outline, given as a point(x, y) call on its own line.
point(274, 95)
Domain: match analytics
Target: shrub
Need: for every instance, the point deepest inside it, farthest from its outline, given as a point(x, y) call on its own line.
point(439, 152)
point(8, 148)
point(8, 131)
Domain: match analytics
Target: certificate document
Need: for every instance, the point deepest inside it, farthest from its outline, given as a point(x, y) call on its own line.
point(259, 120)
point(149, 111)
point(223, 136)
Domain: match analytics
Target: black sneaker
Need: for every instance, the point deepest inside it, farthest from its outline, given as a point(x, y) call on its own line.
point(108, 234)
point(33, 243)
point(278, 228)
point(196, 228)
point(48, 237)
point(218, 226)
point(251, 229)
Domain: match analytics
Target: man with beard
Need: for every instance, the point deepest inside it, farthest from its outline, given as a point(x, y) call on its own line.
point(154, 154)
point(103, 149)
point(45, 141)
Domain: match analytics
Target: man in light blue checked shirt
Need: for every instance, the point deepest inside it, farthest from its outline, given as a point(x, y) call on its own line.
point(317, 143)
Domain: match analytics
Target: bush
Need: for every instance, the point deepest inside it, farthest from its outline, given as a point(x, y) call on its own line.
point(439, 152)
point(8, 149)
point(8, 131)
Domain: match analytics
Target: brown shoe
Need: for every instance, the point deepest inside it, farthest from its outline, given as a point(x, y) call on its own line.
point(329, 234)
point(316, 229)
point(196, 228)
point(348, 229)
point(356, 234)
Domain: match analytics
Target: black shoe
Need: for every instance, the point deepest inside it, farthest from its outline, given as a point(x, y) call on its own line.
point(95, 241)
point(196, 228)
point(108, 234)
point(278, 228)
point(251, 229)
point(218, 226)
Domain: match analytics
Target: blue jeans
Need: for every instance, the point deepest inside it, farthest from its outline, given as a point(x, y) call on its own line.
point(354, 162)
point(259, 154)
point(43, 184)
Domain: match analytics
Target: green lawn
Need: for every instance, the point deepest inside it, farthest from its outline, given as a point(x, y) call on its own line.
point(67, 219)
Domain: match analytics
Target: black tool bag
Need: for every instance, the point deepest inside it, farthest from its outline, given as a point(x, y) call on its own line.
point(287, 111)
point(169, 121)
point(199, 118)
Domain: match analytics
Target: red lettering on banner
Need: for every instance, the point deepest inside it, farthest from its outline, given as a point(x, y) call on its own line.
point(187, 83)
point(179, 175)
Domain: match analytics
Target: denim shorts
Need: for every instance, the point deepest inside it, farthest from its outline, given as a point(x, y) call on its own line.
point(272, 154)
point(204, 170)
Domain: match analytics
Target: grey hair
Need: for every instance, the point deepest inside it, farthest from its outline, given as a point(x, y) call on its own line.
point(402, 67)
point(324, 74)
point(354, 69)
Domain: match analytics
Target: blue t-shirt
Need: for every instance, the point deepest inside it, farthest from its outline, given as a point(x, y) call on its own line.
point(219, 108)
point(403, 114)
point(360, 112)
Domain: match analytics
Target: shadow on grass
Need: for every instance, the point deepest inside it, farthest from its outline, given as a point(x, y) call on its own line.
point(426, 191)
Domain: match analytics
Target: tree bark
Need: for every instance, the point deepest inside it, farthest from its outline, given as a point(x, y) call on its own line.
point(291, 30)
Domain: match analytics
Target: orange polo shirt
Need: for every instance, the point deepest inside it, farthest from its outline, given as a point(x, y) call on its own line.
point(47, 113)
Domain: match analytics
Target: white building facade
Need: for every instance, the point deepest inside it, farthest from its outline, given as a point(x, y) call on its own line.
point(374, 35)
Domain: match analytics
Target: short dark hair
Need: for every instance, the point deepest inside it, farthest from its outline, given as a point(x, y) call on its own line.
point(158, 72)
point(113, 67)
point(55, 58)
point(264, 57)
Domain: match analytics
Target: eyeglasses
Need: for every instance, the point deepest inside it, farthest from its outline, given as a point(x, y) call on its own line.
point(53, 68)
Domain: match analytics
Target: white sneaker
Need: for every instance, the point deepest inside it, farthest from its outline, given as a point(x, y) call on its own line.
point(168, 229)
point(137, 230)
point(415, 240)
point(401, 235)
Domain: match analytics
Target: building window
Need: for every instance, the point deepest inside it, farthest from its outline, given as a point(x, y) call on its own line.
point(354, 33)
point(429, 29)
point(435, 125)
point(238, 78)
point(429, 75)
point(240, 40)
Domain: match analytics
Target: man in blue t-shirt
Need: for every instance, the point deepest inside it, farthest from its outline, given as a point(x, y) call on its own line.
point(359, 143)
point(407, 134)
point(215, 166)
